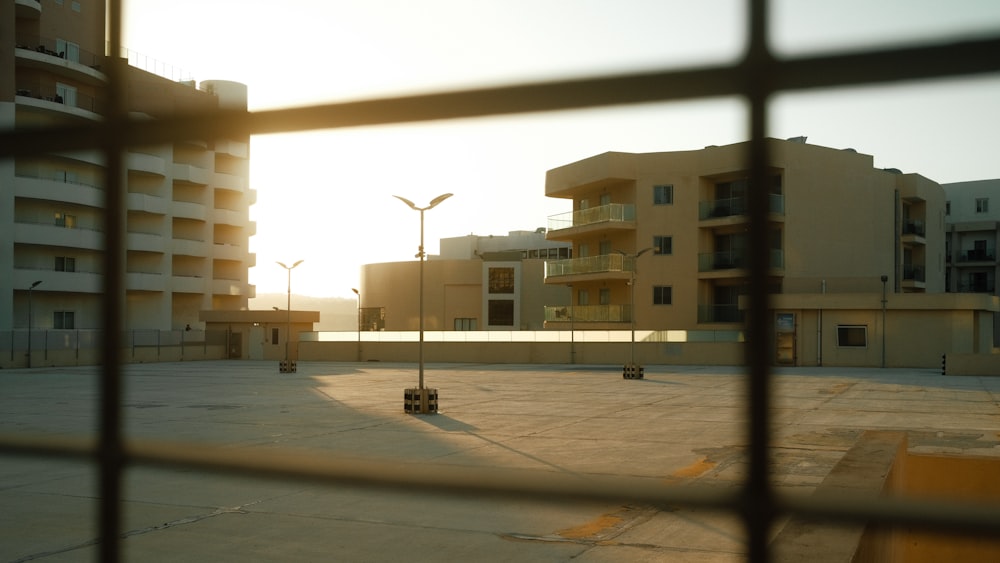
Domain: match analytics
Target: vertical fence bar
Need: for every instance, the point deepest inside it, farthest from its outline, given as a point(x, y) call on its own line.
point(110, 452)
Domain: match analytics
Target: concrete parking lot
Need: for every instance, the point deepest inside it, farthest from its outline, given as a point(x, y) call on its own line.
point(679, 425)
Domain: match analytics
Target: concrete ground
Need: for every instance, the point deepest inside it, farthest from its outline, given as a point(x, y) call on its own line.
point(680, 424)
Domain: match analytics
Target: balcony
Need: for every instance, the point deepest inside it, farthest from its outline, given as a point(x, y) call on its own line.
point(28, 9)
point(50, 234)
point(735, 260)
point(913, 277)
point(142, 281)
point(79, 105)
point(913, 232)
point(615, 264)
point(229, 252)
point(228, 217)
point(58, 190)
point(146, 203)
point(737, 207)
point(613, 216)
point(230, 182)
point(188, 247)
point(589, 314)
point(188, 284)
point(146, 163)
point(977, 255)
point(75, 281)
point(726, 313)
point(146, 242)
point(189, 210)
point(977, 286)
point(71, 62)
point(190, 174)
point(230, 287)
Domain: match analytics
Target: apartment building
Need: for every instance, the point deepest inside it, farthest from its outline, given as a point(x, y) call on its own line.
point(972, 222)
point(188, 225)
point(675, 224)
point(475, 283)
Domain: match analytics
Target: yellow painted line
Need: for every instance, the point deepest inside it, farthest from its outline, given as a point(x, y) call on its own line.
point(592, 528)
point(695, 469)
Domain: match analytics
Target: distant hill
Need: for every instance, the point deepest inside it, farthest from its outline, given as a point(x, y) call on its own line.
point(335, 313)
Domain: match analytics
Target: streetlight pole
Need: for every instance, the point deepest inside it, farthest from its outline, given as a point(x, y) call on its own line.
point(30, 323)
point(287, 366)
point(358, 293)
point(420, 254)
point(884, 280)
point(632, 369)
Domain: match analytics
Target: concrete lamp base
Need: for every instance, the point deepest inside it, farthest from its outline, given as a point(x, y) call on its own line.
point(420, 401)
point(632, 371)
point(286, 367)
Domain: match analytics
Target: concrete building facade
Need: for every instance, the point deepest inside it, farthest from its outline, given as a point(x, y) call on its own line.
point(837, 225)
point(188, 225)
point(476, 283)
point(972, 221)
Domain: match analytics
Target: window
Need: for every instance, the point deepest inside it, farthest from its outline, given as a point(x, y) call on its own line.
point(501, 280)
point(982, 205)
point(68, 50)
point(65, 94)
point(852, 336)
point(465, 323)
point(583, 297)
point(604, 296)
point(584, 250)
point(663, 295)
point(65, 220)
point(62, 320)
point(663, 245)
point(274, 336)
point(65, 264)
point(605, 199)
point(663, 195)
point(605, 247)
point(501, 312)
point(947, 208)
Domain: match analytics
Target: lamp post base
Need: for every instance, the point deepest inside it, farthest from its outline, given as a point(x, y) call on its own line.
point(287, 366)
point(420, 401)
point(632, 371)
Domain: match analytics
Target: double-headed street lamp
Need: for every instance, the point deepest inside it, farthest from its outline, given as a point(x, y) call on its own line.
point(30, 323)
point(632, 371)
point(287, 366)
point(425, 405)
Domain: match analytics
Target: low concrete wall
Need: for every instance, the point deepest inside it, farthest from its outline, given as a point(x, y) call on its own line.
point(972, 364)
point(592, 353)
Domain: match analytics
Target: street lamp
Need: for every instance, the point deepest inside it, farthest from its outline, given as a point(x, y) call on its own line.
point(28, 355)
point(358, 293)
point(287, 366)
point(632, 371)
point(424, 403)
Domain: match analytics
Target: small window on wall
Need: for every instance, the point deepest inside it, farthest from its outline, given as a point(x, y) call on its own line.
point(63, 320)
point(274, 336)
point(465, 323)
point(852, 336)
point(65, 264)
point(663, 295)
point(663, 195)
point(663, 245)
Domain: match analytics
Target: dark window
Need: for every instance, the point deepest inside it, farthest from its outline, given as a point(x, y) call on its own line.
point(663, 245)
point(852, 336)
point(62, 320)
point(663, 295)
point(501, 312)
point(465, 323)
point(501, 280)
point(65, 264)
point(663, 195)
point(274, 336)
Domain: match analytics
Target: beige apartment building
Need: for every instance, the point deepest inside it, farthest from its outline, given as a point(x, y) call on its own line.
point(188, 225)
point(846, 240)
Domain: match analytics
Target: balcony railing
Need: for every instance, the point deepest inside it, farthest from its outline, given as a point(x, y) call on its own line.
point(729, 207)
point(49, 46)
point(726, 313)
point(612, 212)
point(914, 227)
point(977, 255)
point(913, 273)
point(735, 259)
point(589, 265)
point(589, 314)
point(977, 287)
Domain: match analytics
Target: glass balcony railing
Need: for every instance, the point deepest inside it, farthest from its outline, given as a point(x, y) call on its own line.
point(734, 206)
point(589, 265)
point(913, 227)
point(612, 212)
point(913, 273)
point(589, 314)
point(734, 259)
point(726, 313)
point(977, 255)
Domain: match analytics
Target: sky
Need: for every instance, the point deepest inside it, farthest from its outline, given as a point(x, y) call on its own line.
point(326, 197)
